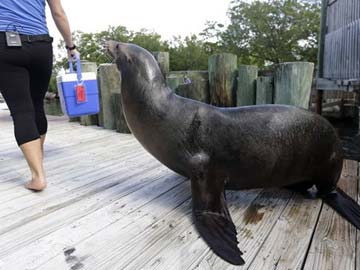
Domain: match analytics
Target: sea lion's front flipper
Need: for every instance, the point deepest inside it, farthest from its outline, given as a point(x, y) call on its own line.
point(213, 221)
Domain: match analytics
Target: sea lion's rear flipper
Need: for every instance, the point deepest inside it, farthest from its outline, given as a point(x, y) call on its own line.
point(344, 205)
point(213, 221)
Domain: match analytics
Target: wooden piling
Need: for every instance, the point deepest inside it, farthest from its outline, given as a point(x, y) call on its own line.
point(163, 60)
point(222, 79)
point(88, 120)
point(292, 83)
point(195, 86)
point(174, 79)
point(246, 85)
point(120, 121)
point(111, 108)
point(264, 90)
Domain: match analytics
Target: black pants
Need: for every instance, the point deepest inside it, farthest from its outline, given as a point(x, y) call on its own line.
point(24, 78)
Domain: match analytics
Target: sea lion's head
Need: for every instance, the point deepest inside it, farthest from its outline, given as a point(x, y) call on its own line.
point(134, 61)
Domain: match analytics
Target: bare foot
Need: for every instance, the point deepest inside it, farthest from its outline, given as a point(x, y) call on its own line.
point(36, 185)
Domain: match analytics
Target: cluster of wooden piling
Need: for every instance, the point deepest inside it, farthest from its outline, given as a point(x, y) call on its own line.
point(227, 84)
point(224, 84)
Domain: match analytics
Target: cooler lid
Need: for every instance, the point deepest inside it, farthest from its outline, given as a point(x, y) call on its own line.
point(70, 77)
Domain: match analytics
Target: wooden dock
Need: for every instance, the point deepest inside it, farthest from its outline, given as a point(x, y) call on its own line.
point(110, 205)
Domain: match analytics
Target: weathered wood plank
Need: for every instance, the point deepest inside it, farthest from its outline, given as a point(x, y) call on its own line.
point(54, 174)
point(60, 215)
point(53, 147)
point(177, 242)
point(334, 241)
point(253, 214)
point(53, 159)
point(54, 154)
point(118, 208)
point(92, 159)
point(129, 238)
point(129, 214)
point(52, 150)
point(62, 179)
point(287, 243)
point(15, 162)
point(61, 137)
point(82, 183)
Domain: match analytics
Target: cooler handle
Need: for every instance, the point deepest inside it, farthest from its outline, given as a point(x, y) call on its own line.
point(78, 68)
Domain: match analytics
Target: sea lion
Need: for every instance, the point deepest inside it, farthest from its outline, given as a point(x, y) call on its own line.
point(237, 148)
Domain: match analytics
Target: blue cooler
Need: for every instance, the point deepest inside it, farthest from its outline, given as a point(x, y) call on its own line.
point(78, 92)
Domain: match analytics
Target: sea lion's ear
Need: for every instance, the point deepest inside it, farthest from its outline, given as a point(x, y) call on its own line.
point(213, 221)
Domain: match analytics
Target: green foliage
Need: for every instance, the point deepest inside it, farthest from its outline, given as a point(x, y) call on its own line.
point(259, 32)
point(52, 85)
point(188, 54)
point(91, 45)
point(272, 31)
point(149, 40)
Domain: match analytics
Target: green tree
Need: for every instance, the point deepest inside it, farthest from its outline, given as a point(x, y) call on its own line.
point(188, 54)
point(149, 40)
point(91, 45)
point(272, 31)
point(52, 85)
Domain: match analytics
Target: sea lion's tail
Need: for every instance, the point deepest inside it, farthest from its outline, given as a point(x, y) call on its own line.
point(344, 205)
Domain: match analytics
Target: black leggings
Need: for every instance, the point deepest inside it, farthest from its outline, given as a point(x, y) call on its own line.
point(24, 79)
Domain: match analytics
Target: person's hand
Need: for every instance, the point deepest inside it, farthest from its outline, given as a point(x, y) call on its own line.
point(73, 54)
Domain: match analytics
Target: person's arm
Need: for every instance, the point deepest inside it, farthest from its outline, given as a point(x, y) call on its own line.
point(62, 23)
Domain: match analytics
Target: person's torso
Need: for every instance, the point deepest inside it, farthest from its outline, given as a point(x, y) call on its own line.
point(23, 16)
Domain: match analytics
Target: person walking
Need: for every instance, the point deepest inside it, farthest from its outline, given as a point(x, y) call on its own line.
point(26, 59)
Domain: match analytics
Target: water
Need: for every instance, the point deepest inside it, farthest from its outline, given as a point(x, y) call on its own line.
point(348, 130)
